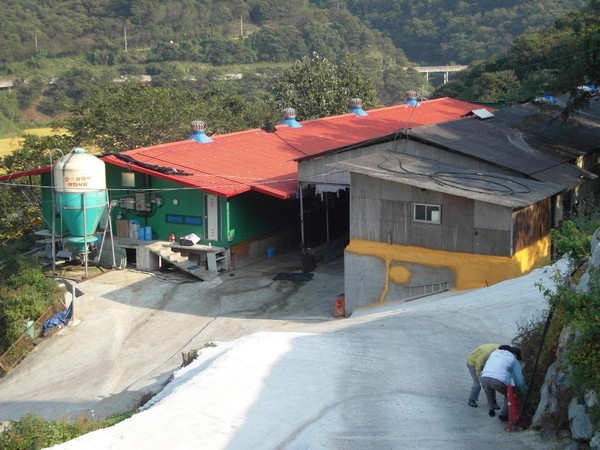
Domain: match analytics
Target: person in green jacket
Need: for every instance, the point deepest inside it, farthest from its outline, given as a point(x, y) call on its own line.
point(475, 362)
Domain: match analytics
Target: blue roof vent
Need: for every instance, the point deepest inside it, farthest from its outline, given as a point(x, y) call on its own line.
point(356, 107)
point(546, 99)
point(411, 98)
point(289, 118)
point(590, 88)
point(198, 134)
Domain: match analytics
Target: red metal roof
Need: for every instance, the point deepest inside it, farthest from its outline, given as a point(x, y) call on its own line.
point(265, 161)
point(25, 173)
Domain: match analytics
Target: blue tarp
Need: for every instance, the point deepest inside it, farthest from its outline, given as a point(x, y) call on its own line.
point(59, 319)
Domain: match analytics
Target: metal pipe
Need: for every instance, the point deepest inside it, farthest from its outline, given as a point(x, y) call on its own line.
point(53, 218)
point(301, 215)
point(85, 249)
point(537, 358)
point(327, 215)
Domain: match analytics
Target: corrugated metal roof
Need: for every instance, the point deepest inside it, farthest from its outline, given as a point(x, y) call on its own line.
point(522, 138)
point(428, 174)
point(24, 173)
point(265, 161)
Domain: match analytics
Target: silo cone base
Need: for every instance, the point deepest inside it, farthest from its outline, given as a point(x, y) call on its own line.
point(77, 243)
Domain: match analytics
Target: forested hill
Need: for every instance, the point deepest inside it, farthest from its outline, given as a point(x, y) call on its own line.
point(244, 31)
point(461, 31)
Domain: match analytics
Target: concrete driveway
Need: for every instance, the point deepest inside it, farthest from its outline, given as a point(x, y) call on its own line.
point(391, 376)
point(131, 328)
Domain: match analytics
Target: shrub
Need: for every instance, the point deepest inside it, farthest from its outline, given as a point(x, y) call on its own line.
point(573, 237)
point(25, 293)
point(189, 356)
point(582, 312)
point(33, 432)
point(568, 240)
point(531, 339)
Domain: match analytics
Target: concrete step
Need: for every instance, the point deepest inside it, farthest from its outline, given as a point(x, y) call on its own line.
point(182, 261)
point(198, 271)
point(175, 257)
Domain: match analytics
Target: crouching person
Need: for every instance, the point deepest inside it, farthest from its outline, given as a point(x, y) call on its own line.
point(500, 369)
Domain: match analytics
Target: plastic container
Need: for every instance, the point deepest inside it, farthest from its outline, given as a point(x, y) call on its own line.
point(270, 251)
point(134, 229)
point(340, 306)
point(148, 233)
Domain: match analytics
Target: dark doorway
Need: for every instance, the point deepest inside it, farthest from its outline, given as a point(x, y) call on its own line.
point(326, 217)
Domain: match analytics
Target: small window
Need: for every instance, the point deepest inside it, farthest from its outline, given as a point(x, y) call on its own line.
point(427, 213)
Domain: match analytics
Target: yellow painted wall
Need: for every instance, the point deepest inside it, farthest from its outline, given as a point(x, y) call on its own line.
point(470, 270)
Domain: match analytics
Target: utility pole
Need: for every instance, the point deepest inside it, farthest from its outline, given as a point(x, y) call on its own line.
point(125, 35)
point(35, 40)
point(241, 26)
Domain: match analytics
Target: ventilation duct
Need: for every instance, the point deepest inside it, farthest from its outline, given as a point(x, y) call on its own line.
point(289, 118)
point(411, 98)
point(356, 107)
point(545, 99)
point(198, 134)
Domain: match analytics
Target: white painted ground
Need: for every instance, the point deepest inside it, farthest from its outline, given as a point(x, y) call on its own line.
point(391, 376)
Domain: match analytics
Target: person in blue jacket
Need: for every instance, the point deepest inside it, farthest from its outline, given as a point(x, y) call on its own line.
point(475, 362)
point(501, 368)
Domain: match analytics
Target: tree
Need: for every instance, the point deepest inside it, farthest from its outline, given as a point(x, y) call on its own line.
point(397, 80)
point(116, 117)
point(21, 212)
point(71, 87)
point(316, 87)
point(10, 115)
point(557, 60)
point(496, 85)
point(323, 39)
point(28, 90)
point(20, 198)
point(278, 43)
point(25, 293)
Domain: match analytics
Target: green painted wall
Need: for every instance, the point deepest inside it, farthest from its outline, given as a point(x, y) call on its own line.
point(164, 197)
point(252, 215)
point(243, 217)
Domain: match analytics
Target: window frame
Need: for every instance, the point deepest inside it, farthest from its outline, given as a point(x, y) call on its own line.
point(428, 207)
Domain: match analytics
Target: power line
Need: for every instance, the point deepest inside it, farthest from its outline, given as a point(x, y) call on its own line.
point(494, 184)
point(212, 186)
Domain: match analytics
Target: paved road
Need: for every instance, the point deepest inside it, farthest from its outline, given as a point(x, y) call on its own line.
point(132, 327)
point(391, 374)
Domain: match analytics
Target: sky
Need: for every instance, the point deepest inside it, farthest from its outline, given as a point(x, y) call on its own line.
point(392, 375)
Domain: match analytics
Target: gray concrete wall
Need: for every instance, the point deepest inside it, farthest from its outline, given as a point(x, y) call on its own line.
point(365, 281)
